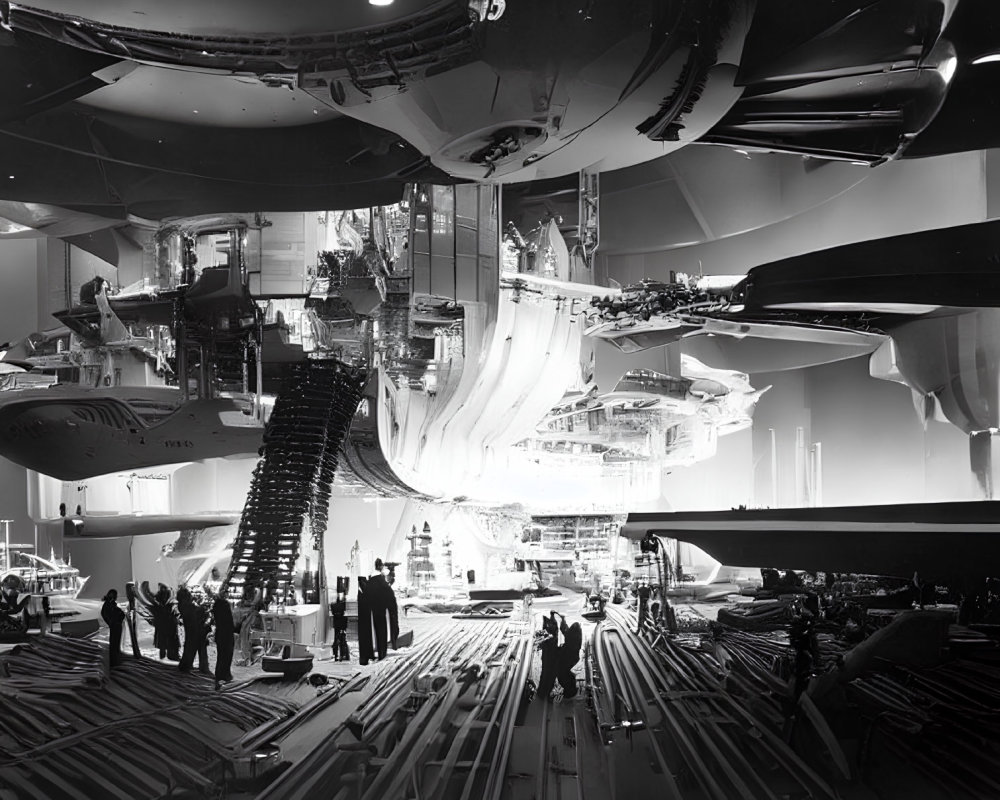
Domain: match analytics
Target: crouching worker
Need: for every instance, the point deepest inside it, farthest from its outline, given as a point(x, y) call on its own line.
point(569, 655)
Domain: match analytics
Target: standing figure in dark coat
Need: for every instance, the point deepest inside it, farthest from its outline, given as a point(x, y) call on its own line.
point(643, 593)
point(382, 601)
point(115, 618)
point(196, 629)
point(225, 630)
point(341, 652)
point(165, 636)
point(366, 652)
point(133, 635)
point(568, 656)
point(550, 652)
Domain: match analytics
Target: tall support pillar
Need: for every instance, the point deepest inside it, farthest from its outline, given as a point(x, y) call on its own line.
point(774, 468)
point(801, 500)
point(816, 495)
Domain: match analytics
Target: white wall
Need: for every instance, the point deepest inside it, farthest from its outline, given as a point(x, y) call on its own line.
point(875, 449)
point(899, 197)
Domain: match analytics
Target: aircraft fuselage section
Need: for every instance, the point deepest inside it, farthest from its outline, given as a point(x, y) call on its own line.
point(72, 439)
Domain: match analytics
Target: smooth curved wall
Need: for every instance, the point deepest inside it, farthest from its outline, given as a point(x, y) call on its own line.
point(896, 198)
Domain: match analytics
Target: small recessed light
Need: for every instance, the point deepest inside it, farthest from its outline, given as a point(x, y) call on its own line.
point(11, 177)
point(196, 111)
point(380, 2)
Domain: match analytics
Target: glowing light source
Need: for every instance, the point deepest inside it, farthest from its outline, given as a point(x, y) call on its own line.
point(947, 68)
point(987, 59)
point(380, 2)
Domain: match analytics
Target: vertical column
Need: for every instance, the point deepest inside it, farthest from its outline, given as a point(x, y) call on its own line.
point(420, 246)
point(817, 474)
point(488, 286)
point(442, 251)
point(800, 468)
point(467, 225)
point(774, 468)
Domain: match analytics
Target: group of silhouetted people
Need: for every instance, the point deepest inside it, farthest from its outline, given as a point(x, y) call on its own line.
point(376, 607)
point(558, 660)
point(167, 614)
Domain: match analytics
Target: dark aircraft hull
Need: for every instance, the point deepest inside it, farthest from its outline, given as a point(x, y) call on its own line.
point(72, 433)
point(939, 541)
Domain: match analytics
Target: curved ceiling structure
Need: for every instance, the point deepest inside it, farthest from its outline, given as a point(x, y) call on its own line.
point(127, 109)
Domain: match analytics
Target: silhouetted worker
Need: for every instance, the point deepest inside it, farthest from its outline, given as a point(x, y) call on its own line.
point(643, 593)
point(115, 618)
point(802, 637)
point(366, 652)
point(130, 619)
point(225, 630)
point(382, 601)
point(165, 635)
point(568, 656)
point(341, 652)
point(195, 633)
point(550, 652)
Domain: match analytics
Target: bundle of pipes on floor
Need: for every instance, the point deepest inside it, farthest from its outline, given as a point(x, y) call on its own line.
point(71, 729)
point(436, 722)
point(942, 722)
point(704, 739)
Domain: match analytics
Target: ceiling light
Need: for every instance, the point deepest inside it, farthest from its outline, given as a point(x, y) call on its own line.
point(380, 2)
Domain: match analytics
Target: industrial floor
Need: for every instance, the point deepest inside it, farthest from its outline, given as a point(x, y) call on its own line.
point(448, 718)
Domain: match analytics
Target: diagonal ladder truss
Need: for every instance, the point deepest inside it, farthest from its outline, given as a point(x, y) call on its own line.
point(290, 487)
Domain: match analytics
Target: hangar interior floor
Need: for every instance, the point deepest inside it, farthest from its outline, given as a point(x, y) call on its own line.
point(691, 716)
